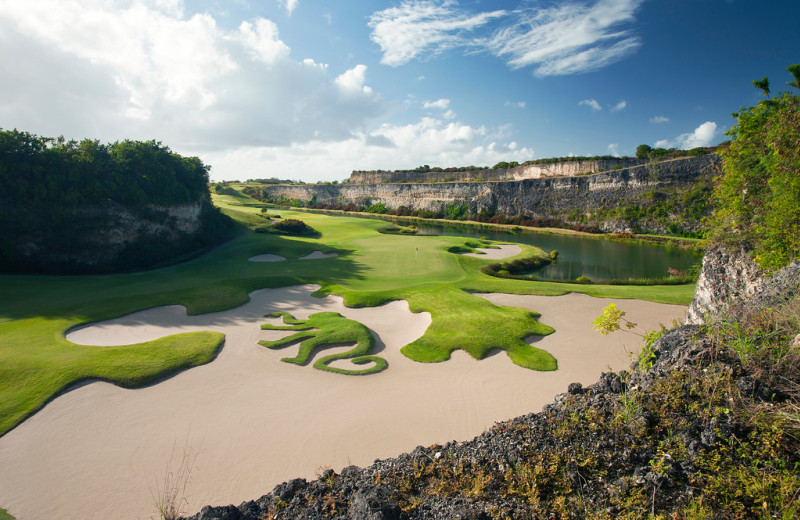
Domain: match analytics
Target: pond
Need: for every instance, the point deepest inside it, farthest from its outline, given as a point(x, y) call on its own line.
point(596, 258)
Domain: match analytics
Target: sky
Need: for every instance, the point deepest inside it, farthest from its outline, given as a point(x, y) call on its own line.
point(312, 90)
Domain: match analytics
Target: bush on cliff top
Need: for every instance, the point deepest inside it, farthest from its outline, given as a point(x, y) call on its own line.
point(757, 198)
point(44, 170)
point(64, 204)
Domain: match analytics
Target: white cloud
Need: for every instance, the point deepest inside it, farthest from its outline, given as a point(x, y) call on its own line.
point(515, 104)
point(427, 141)
point(591, 103)
point(442, 104)
point(289, 5)
point(115, 69)
point(568, 38)
point(418, 28)
point(261, 39)
point(619, 106)
point(352, 81)
point(659, 119)
point(613, 149)
point(703, 135)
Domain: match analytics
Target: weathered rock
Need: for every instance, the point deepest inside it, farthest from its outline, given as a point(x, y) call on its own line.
point(530, 171)
point(731, 278)
point(532, 197)
point(726, 277)
point(373, 503)
point(219, 513)
point(110, 236)
point(287, 490)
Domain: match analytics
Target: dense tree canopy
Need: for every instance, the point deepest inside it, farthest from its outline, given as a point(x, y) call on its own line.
point(758, 198)
point(87, 207)
point(35, 170)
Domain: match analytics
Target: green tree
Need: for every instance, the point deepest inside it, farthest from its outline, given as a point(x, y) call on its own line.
point(643, 151)
point(763, 84)
point(757, 199)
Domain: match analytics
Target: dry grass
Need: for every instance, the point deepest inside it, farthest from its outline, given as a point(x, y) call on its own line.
point(169, 495)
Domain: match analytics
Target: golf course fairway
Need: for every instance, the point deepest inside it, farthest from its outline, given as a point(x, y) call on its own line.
point(356, 261)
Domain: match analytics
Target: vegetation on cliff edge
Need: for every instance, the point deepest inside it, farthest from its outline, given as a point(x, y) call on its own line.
point(66, 206)
point(757, 200)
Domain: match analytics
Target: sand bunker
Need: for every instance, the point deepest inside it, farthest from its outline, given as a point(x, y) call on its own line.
point(316, 255)
point(503, 251)
point(96, 451)
point(267, 258)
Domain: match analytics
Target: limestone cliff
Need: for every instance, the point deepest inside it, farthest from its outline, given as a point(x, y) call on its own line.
point(536, 198)
point(525, 171)
point(107, 237)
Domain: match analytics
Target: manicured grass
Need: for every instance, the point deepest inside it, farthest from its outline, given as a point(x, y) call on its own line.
point(326, 329)
point(36, 361)
point(4, 515)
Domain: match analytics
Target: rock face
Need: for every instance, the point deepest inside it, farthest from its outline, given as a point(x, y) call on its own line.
point(110, 237)
point(535, 197)
point(731, 278)
point(530, 171)
point(726, 277)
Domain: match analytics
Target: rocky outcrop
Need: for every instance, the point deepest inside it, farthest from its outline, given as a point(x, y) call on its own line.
point(726, 277)
point(532, 198)
point(525, 171)
point(109, 237)
point(731, 278)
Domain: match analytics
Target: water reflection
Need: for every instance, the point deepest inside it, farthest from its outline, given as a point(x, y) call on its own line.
point(595, 258)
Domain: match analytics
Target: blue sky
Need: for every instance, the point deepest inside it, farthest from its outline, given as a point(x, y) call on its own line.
point(312, 89)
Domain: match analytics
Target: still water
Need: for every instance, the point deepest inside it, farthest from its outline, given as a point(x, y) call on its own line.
point(596, 258)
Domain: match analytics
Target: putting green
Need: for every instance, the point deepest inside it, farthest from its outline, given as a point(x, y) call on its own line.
point(37, 362)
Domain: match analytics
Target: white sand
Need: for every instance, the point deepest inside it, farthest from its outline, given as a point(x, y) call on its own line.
point(316, 255)
point(267, 258)
point(502, 251)
point(96, 451)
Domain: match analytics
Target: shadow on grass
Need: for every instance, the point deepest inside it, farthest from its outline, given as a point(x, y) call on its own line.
point(219, 280)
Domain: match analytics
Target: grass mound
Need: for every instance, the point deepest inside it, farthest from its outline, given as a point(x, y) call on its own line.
point(398, 230)
point(327, 329)
point(290, 227)
point(39, 363)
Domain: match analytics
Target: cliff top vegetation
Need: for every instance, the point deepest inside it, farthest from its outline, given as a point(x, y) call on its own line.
point(45, 170)
point(643, 151)
point(757, 200)
point(69, 206)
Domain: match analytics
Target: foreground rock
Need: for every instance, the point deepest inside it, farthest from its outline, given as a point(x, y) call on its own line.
point(682, 432)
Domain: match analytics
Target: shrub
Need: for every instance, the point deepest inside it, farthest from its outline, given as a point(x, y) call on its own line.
point(289, 226)
point(756, 198)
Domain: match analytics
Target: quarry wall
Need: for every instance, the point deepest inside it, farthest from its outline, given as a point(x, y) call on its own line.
point(536, 197)
point(531, 171)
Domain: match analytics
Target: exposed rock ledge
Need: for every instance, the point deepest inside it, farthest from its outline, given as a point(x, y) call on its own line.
point(729, 277)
